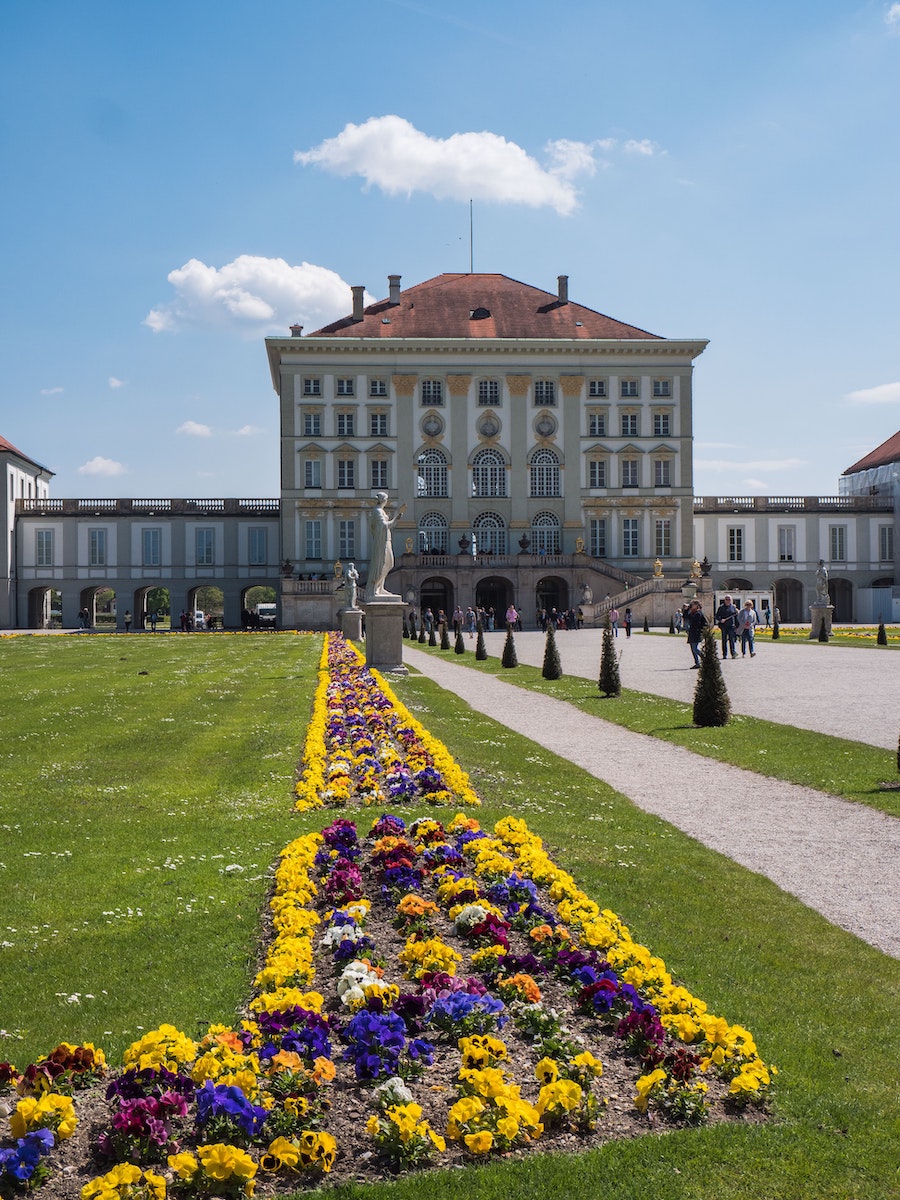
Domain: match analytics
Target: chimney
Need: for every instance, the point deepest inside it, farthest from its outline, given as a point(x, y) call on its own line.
point(358, 302)
point(296, 330)
point(562, 282)
point(394, 289)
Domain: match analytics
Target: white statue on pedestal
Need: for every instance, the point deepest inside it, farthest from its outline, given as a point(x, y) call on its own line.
point(351, 582)
point(381, 559)
point(822, 599)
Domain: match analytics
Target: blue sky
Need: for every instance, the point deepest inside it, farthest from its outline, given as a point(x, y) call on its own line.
point(182, 178)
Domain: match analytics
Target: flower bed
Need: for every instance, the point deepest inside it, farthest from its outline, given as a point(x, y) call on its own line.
point(430, 995)
point(364, 748)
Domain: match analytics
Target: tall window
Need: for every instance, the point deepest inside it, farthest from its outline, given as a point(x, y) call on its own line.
point(597, 387)
point(258, 545)
point(544, 392)
point(434, 536)
point(378, 387)
point(206, 547)
point(628, 387)
point(885, 543)
point(312, 387)
point(837, 540)
point(597, 424)
point(597, 535)
point(313, 537)
point(43, 547)
point(488, 391)
point(785, 543)
point(312, 473)
point(378, 424)
point(662, 472)
point(630, 468)
point(312, 424)
point(545, 474)
point(344, 387)
point(346, 473)
point(663, 538)
point(735, 543)
point(489, 533)
point(378, 473)
point(432, 391)
point(432, 480)
point(630, 540)
point(545, 534)
point(151, 547)
point(488, 474)
point(346, 539)
point(345, 424)
point(97, 548)
point(662, 425)
point(597, 473)
point(629, 424)
point(662, 387)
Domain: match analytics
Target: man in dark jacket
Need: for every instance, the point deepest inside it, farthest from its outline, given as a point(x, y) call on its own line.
point(726, 619)
point(695, 622)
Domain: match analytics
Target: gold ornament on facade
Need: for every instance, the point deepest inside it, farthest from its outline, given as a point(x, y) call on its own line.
point(571, 385)
point(518, 384)
point(458, 385)
point(403, 385)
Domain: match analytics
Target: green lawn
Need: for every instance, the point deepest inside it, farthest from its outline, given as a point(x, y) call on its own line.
point(127, 801)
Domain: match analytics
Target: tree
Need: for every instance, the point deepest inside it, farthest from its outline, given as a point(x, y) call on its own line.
point(609, 683)
point(881, 639)
point(646, 625)
point(480, 648)
point(509, 659)
point(459, 646)
point(711, 704)
point(158, 600)
point(823, 631)
point(552, 668)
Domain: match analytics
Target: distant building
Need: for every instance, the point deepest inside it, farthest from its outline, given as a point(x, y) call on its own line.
point(23, 479)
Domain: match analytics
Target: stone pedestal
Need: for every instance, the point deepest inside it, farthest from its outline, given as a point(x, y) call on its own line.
point(820, 613)
point(384, 634)
point(351, 624)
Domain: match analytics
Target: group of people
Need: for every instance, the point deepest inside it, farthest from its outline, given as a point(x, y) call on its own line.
point(732, 622)
point(559, 618)
point(464, 621)
point(627, 621)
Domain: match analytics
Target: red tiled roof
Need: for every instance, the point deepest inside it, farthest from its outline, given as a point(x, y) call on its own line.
point(9, 448)
point(887, 452)
point(480, 306)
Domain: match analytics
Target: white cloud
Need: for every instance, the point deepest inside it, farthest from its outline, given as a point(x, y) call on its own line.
point(885, 393)
point(116, 383)
point(194, 429)
point(54, 391)
point(392, 154)
point(892, 17)
point(248, 431)
point(254, 294)
point(762, 464)
point(102, 466)
point(644, 147)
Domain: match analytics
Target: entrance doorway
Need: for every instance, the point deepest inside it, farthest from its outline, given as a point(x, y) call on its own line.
point(495, 593)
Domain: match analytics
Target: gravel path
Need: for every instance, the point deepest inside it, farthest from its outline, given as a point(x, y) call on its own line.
point(840, 858)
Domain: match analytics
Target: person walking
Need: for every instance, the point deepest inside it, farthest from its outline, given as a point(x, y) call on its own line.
point(470, 621)
point(629, 621)
point(127, 620)
point(695, 622)
point(512, 617)
point(747, 622)
point(614, 621)
point(726, 619)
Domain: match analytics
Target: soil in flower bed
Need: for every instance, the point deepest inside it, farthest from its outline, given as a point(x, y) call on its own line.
point(436, 1088)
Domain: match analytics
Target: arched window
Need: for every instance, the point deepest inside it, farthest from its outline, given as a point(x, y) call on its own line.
point(488, 474)
point(434, 536)
point(545, 474)
point(489, 534)
point(545, 534)
point(432, 480)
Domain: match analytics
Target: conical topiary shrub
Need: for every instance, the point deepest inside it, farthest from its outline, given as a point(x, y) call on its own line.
point(459, 645)
point(509, 658)
point(405, 628)
point(671, 624)
point(552, 668)
point(711, 704)
point(432, 637)
point(412, 626)
point(646, 625)
point(776, 631)
point(480, 648)
point(823, 632)
point(445, 636)
point(422, 637)
point(609, 682)
point(881, 639)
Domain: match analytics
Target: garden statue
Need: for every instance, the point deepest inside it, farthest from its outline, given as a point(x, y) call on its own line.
point(381, 560)
point(350, 583)
point(822, 599)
